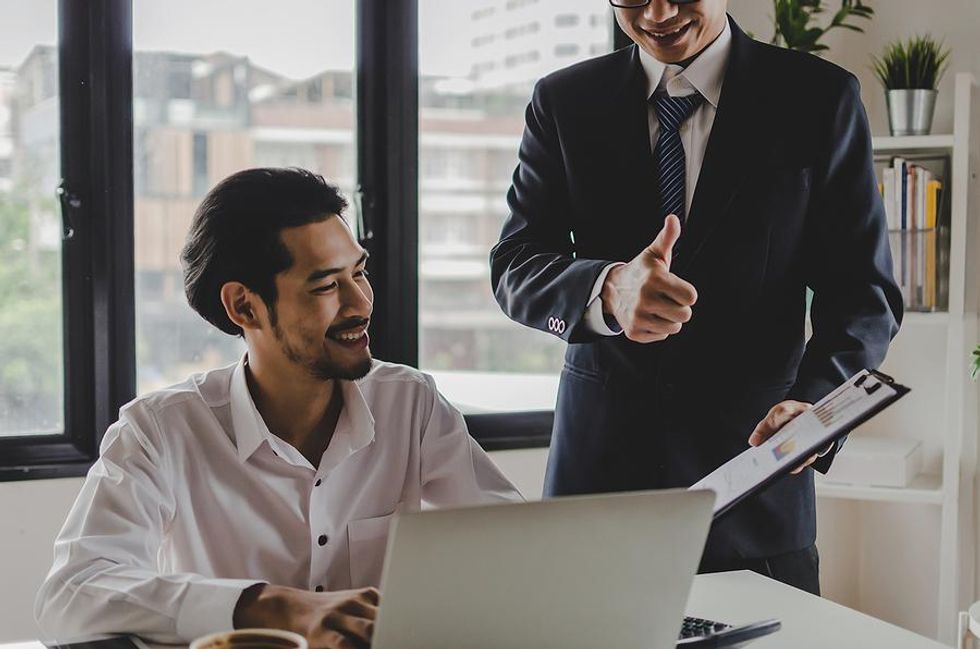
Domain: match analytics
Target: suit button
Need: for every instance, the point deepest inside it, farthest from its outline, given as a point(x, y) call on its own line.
point(322, 540)
point(319, 589)
point(318, 482)
point(668, 391)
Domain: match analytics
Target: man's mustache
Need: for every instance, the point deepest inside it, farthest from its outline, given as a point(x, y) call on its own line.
point(348, 324)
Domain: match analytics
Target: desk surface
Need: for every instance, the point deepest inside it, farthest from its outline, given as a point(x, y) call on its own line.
point(740, 598)
point(808, 621)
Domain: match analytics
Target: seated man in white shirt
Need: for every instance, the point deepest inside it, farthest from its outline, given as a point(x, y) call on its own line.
point(259, 494)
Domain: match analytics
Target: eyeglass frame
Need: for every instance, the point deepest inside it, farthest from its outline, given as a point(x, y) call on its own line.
point(644, 3)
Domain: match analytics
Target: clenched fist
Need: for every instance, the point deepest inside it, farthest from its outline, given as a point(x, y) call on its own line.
point(648, 301)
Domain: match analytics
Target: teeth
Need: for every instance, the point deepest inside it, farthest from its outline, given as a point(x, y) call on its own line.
point(666, 34)
point(352, 336)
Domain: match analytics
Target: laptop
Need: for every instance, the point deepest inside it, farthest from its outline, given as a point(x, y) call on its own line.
point(569, 573)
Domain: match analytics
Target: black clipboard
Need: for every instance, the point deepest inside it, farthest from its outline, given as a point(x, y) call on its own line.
point(851, 404)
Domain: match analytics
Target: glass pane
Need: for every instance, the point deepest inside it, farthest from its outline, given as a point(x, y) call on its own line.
point(31, 348)
point(478, 64)
point(273, 86)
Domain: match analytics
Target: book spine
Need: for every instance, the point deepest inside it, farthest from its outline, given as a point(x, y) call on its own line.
point(888, 196)
point(901, 190)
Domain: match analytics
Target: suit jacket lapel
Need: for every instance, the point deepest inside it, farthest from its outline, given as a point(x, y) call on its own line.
point(629, 128)
point(736, 135)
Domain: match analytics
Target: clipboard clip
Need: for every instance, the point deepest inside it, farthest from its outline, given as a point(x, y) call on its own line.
point(880, 376)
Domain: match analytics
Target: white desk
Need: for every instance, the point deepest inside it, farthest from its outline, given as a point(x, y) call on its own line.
point(808, 621)
point(741, 597)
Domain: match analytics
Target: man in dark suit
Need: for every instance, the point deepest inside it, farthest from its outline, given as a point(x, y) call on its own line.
point(749, 167)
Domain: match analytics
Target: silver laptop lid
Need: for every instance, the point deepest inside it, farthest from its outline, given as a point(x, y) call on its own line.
point(580, 572)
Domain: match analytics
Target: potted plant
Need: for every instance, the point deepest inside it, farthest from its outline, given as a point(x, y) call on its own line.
point(792, 21)
point(910, 71)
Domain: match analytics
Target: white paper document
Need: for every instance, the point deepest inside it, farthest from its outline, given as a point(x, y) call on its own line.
point(861, 397)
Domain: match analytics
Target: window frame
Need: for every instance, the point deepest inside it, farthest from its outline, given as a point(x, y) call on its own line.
point(95, 107)
point(95, 54)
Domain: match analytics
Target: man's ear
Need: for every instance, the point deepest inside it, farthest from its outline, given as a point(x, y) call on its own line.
point(241, 305)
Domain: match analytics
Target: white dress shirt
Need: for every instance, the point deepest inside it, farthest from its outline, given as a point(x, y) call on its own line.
point(704, 75)
point(193, 499)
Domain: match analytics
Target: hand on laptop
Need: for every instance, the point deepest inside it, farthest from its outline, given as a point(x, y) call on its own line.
point(342, 619)
point(779, 415)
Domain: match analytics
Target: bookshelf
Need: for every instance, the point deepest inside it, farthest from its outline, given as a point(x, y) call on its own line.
point(930, 354)
point(908, 143)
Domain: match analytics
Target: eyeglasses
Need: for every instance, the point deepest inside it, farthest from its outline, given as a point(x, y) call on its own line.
point(636, 4)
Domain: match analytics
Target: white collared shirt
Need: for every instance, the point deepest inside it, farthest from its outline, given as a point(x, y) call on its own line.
point(193, 499)
point(704, 75)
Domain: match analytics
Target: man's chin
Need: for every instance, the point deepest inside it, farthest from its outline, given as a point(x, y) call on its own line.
point(359, 370)
point(346, 372)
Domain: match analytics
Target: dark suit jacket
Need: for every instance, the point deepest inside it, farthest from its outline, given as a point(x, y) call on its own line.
point(787, 199)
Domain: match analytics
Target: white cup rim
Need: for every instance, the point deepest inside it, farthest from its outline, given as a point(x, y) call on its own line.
point(275, 633)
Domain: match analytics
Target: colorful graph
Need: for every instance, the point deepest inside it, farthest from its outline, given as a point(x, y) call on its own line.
point(784, 449)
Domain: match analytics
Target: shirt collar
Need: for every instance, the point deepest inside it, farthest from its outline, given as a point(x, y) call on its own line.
point(354, 431)
point(705, 73)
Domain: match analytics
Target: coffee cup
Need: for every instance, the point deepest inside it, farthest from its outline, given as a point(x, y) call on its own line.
point(251, 639)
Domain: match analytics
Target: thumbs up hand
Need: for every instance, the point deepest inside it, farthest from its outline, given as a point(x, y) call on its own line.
point(648, 301)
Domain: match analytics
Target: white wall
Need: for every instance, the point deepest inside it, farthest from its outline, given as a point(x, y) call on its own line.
point(32, 512)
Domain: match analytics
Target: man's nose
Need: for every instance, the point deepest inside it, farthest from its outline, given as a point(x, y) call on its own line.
point(659, 11)
point(357, 300)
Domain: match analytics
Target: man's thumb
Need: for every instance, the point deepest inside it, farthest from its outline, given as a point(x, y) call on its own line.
point(663, 246)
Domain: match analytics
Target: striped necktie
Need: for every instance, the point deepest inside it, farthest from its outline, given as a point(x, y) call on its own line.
point(671, 167)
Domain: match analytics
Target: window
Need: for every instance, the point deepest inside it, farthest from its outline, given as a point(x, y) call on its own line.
point(520, 59)
point(31, 305)
point(467, 156)
point(566, 49)
point(200, 164)
point(522, 30)
point(270, 88)
point(64, 253)
point(92, 310)
point(566, 20)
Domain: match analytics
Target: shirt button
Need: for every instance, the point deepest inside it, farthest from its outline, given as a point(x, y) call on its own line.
point(319, 589)
point(317, 483)
point(322, 540)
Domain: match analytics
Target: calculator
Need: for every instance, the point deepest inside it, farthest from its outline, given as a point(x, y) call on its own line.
point(699, 633)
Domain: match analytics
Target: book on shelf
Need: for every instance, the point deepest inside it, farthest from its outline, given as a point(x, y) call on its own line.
point(911, 195)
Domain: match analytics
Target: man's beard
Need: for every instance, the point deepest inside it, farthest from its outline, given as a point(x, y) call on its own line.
point(323, 368)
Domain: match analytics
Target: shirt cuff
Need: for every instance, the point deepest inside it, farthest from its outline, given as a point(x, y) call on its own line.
point(595, 319)
point(209, 606)
point(827, 450)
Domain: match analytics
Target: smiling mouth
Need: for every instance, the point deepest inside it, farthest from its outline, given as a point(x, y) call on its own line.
point(349, 335)
point(670, 35)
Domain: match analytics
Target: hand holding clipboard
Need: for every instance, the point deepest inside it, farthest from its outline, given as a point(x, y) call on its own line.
point(857, 400)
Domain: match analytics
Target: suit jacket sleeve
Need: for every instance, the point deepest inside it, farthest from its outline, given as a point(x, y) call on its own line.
point(857, 307)
point(537, 278)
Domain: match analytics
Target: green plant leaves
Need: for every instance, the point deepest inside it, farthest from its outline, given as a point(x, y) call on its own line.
point(918, 63)
point(792, 20)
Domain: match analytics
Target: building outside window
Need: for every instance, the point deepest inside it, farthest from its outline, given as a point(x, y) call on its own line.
point(480, 358)
point(31, 303)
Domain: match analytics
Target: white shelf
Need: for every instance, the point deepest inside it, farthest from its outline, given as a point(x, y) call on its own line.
point(925, 317)
point(912, 143)
point(925, 489)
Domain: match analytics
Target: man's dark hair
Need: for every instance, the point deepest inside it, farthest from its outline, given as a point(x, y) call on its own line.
point(235, 235)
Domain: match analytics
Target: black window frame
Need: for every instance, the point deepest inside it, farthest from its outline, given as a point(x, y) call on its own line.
point(95, 53)
point(95, 104)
